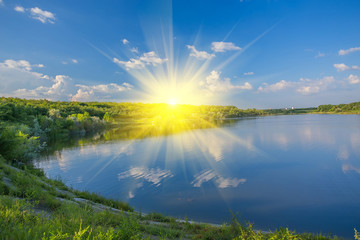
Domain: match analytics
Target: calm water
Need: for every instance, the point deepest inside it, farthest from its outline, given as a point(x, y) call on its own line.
point(301, 172)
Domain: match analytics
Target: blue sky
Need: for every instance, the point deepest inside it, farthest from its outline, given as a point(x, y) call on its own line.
point(249, 53)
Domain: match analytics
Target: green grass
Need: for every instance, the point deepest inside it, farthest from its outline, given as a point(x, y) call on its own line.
point(69, 221)
point(102, 200)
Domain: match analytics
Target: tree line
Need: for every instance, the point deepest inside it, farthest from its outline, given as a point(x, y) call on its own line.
point(340, 108)
point(26, 126)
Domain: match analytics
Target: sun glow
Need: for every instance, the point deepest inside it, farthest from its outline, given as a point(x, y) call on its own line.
point(172, 102)
point(174, 79)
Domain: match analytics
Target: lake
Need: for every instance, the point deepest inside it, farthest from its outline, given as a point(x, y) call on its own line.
point(295, 171)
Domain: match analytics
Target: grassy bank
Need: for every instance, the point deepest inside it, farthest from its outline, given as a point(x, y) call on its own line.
point(35, 207)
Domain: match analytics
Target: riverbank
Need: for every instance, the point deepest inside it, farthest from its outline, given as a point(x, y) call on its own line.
point(33, 207)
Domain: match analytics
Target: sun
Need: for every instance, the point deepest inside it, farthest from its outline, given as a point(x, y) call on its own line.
point(172, 102)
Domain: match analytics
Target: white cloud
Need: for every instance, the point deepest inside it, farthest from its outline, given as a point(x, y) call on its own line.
point(37, 13)
point(213, 84)
point(347, 51)
point(249, 73)
point(2, 2)
point(152, 58)
point(55, 92)
point(342, 67)
point(19, 9)
point(353, 79)
point(75, 61)
point(15, 73)
point(17, 79)
point(134, 50)
point(125, 41)
point(151, 175)
point(131, 64)
point(220, 181)
point(202, 55)
point(246, 86)
point(275, 87)
point(149, 58)
point(307, 86)
point(41, 15)
point(304, 86)
point(224, 46)
point(22, 66)
point(107, 91)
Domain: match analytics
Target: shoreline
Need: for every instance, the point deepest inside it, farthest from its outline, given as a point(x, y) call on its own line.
point(54, 198)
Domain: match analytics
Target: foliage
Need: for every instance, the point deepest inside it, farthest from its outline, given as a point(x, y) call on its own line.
point(158, 217)
point(17, 143)
point(18, 221)
point(102, 200)
point(289, 111)
point(341, 108)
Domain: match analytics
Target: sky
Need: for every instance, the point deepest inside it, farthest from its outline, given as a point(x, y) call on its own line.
point(246, 53)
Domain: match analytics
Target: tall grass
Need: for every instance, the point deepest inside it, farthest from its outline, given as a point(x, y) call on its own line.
point(18, 221)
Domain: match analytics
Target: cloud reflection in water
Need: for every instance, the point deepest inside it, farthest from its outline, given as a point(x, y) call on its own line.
point(220, 181)
point(151, 175)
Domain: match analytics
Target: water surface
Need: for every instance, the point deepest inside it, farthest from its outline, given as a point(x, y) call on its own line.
point(301, 172)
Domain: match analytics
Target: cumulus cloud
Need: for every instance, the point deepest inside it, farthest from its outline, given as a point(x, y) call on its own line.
point(342, 67)
point(221, 182)
point(224, 46)
point(305, 86)
point(103, 91)
point(202, 55)
point(353, 79)
point(58, 90)
point(249, 73)
point(308, 86)
point(74, 61)
point(19, 9)
point(213, 83)
point(20, 66)
point(152, 175)
point(125, 41)
point(18, 79)
point(15, 73)
point(36, 13)
point(131, 64)
point(275, 87)
point(347, 51)
point(149, 58)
